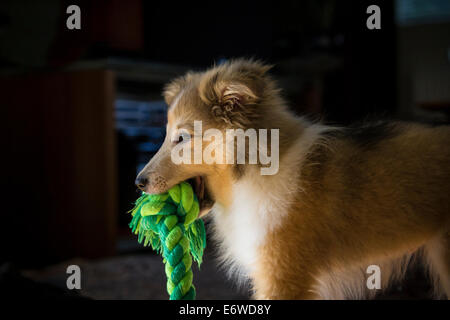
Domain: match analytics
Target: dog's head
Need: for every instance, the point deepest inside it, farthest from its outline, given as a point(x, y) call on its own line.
point(229, 96)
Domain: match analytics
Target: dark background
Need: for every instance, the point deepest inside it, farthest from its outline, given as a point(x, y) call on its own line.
point(82, 110)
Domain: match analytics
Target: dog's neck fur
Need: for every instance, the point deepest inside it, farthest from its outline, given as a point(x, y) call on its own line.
point(250, 206)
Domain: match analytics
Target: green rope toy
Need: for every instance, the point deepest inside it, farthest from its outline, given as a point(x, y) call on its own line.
point(168, 222)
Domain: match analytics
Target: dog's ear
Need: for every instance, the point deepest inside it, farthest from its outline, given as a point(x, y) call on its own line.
point(233, 91)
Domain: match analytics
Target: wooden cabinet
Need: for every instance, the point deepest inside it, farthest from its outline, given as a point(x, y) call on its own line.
point(60, 171)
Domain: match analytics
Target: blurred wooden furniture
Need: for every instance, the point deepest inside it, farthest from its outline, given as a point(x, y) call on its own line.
point(60, 171)
point(441, 107)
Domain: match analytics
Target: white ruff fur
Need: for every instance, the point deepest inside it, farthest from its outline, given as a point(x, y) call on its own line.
point(259, 204)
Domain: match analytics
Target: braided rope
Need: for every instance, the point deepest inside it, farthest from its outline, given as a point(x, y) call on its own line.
point(168, 223)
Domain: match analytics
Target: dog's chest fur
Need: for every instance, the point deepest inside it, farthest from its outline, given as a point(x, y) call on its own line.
point(241, 228)
point(259, 205)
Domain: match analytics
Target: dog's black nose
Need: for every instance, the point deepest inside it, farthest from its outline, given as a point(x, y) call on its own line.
point(141, 182)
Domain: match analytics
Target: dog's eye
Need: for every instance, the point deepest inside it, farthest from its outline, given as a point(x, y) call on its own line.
point(182, 137)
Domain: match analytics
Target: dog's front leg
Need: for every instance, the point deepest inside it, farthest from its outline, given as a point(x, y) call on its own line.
point(271, 284)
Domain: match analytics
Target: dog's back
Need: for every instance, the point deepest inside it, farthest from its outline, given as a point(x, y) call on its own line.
point(404, 167)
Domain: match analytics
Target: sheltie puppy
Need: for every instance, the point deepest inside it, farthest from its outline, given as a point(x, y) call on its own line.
point(341, 199)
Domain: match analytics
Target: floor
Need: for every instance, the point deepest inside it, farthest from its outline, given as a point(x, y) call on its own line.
point(141, 276)
point(137, 276)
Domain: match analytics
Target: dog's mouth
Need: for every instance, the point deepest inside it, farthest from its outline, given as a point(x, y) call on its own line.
point(204, 197)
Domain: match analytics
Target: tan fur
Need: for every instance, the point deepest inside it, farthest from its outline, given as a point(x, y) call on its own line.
point(362, 208)
point(340, 202)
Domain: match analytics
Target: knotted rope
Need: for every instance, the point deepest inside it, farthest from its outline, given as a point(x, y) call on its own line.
point(168, 223)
